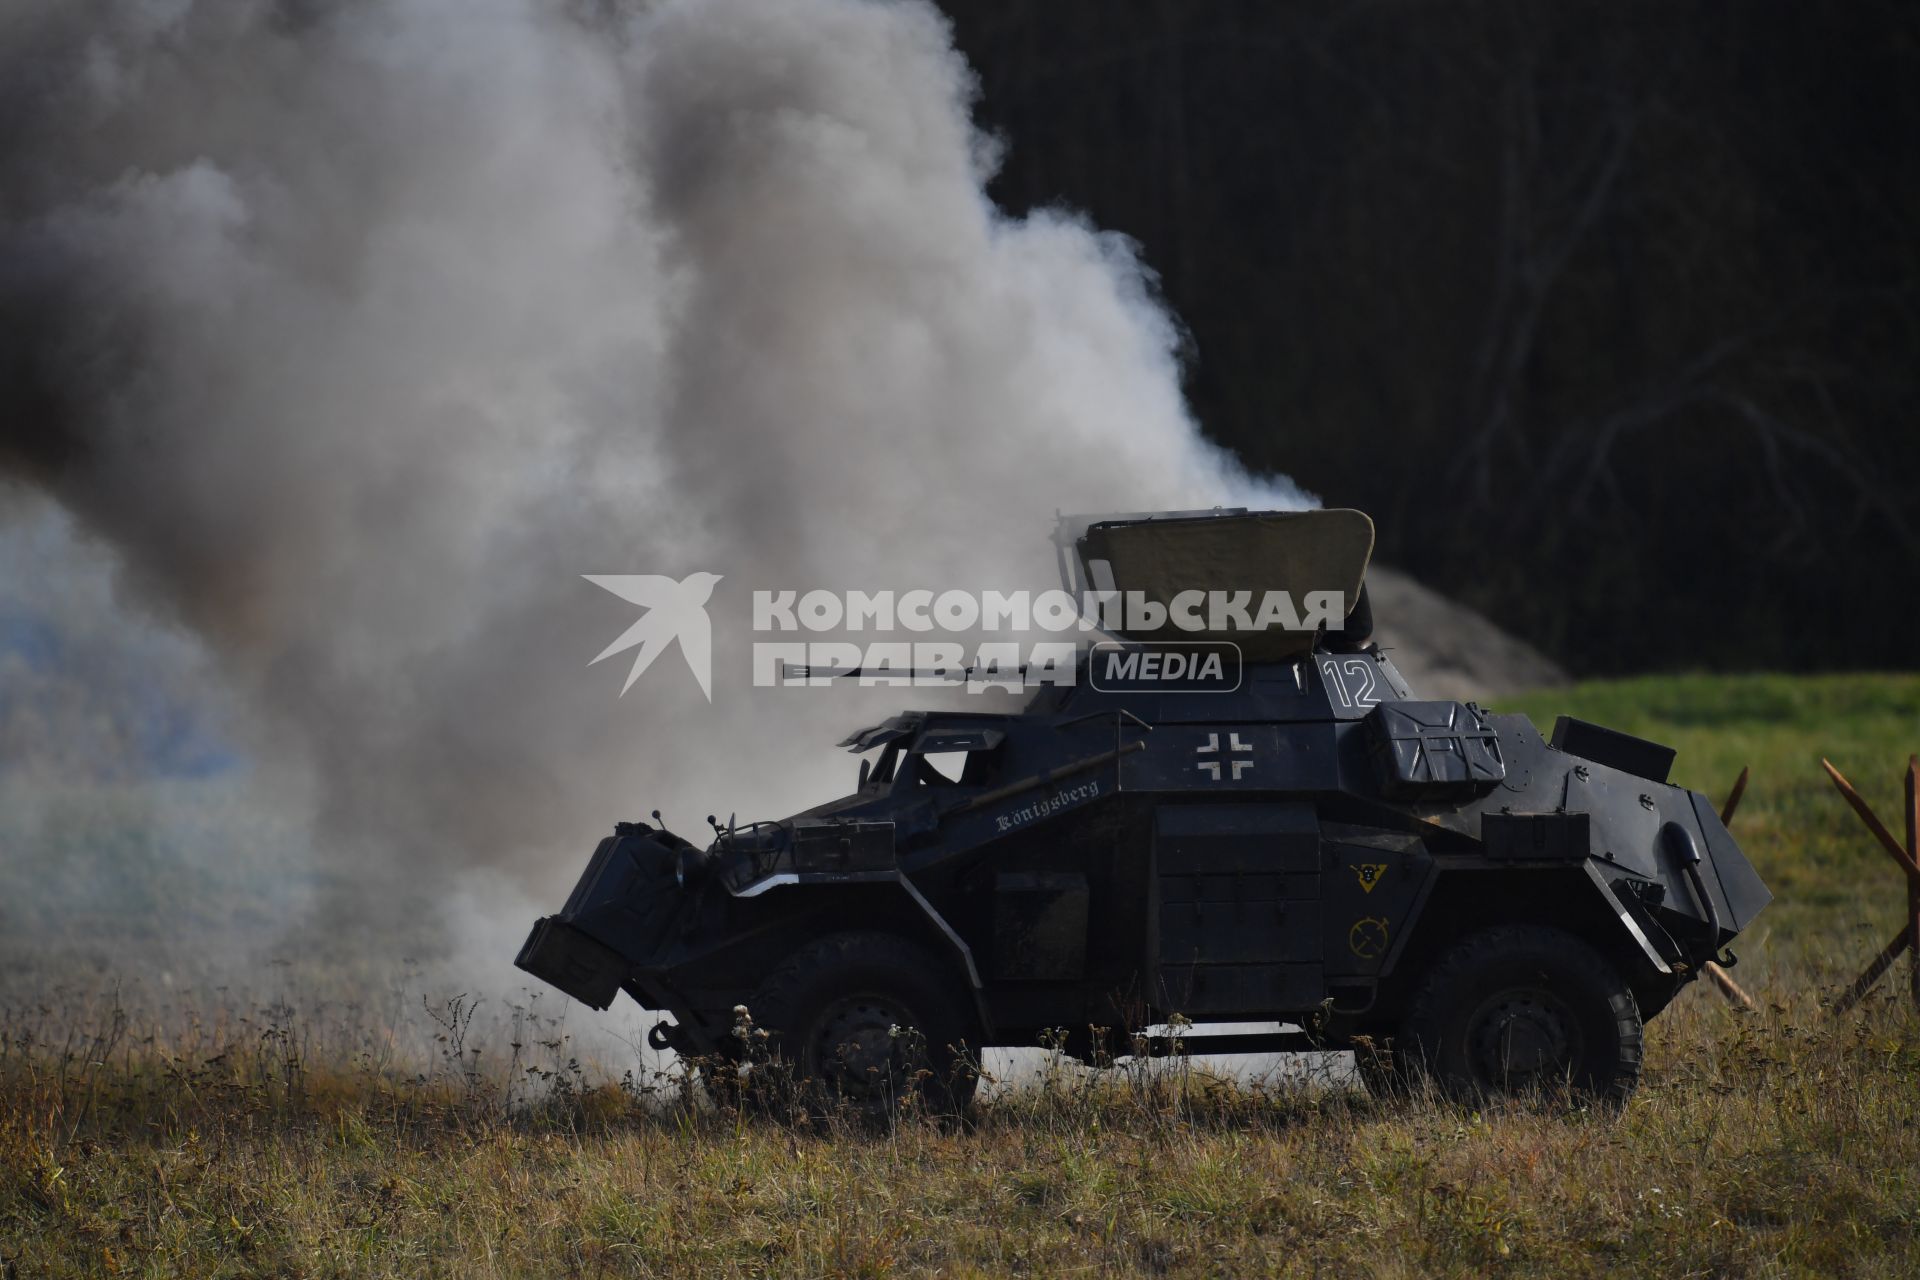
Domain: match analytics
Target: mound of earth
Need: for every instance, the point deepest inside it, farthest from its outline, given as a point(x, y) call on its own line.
point(1447, 650)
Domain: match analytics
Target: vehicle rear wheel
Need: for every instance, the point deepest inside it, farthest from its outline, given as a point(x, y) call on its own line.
point(870, 1022)
point(1378, 1068)
point(1521, 1009)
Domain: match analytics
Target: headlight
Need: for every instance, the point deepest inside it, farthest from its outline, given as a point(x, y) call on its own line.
point(690, 868)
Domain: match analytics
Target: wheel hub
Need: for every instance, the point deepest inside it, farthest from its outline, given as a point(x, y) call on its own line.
point(1522, 1038)
point(859, 1048)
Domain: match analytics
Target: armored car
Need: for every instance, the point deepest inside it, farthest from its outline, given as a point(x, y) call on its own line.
point(1297, 840)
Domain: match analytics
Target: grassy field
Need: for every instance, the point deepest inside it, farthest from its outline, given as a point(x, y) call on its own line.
point(260, 1141)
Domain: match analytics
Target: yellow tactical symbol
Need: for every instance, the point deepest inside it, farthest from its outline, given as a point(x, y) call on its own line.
point(1368, 937)
point(1369, 873)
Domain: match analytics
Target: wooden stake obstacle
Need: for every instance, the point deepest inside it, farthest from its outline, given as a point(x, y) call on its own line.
point(1908, 857)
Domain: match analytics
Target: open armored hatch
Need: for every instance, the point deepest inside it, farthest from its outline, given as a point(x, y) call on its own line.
point(1227, 550)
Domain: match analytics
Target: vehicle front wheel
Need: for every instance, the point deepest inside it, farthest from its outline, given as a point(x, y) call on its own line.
point(1520, 1009)
point(869, 1021)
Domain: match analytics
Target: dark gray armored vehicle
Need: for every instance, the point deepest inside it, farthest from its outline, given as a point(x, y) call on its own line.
point(1294, 839)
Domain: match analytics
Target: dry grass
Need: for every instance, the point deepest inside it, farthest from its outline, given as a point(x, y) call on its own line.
point(236, 1140)
point(1783, 1143)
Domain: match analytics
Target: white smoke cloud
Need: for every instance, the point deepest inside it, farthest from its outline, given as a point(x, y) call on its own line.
point(360, 333)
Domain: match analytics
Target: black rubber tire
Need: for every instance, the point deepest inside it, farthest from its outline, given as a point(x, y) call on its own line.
point(829, 1011)
point(721, 1081)
point(1522, 1009)
point(1378, 1068)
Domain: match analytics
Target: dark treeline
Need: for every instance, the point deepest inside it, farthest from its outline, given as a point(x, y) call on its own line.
point(1606, 311)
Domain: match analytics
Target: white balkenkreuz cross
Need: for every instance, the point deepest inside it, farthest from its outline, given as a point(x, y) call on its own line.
point(1234, 746)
